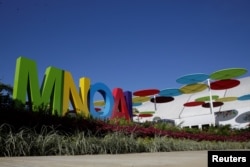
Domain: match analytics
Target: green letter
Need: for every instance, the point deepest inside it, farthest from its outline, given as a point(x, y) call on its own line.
point(26, 81)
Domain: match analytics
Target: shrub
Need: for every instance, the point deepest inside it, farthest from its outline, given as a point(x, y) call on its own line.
point(27, 142)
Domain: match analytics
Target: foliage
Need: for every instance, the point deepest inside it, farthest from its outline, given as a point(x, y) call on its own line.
point(5, 87)
point(19, 119)
point(24, 133)
point(27, 142)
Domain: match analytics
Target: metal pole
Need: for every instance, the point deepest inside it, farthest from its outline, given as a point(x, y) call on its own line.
point(155, 102)
point(211, 100)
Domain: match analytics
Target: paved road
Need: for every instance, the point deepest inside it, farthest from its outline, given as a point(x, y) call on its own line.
point(164, 159)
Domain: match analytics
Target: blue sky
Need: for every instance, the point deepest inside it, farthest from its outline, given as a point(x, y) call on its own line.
point(131, 44)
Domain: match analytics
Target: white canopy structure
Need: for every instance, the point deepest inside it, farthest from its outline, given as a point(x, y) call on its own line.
point(221, 101)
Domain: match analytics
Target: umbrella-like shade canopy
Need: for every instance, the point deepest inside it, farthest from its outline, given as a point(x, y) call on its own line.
point(146, 92)
point(193, 88)
point(226, 99)
point(162, 99)
point(170, 92)
point(140, 99)
point(99, 103)
point(224, 84)
point(192, 78)
point(207, 98)
point(193, 103)
point(244, 97)
point(215, 104)
point(228, 73)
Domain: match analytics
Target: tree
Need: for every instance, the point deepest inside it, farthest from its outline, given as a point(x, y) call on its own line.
point(5, 95)
point(5, 88)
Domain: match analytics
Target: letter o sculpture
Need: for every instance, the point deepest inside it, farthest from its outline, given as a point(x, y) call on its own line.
point(106, 112)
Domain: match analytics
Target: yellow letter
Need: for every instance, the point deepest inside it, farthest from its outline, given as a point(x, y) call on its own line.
point(70, 94)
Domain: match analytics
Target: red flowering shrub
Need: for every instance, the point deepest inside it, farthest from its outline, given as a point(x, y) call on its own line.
point(101, 128)
point(140, 131)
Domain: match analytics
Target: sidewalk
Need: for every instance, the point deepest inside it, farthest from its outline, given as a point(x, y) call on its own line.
point(163, 159)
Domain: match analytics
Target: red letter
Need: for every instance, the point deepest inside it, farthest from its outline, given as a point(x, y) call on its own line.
point(120, 109)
